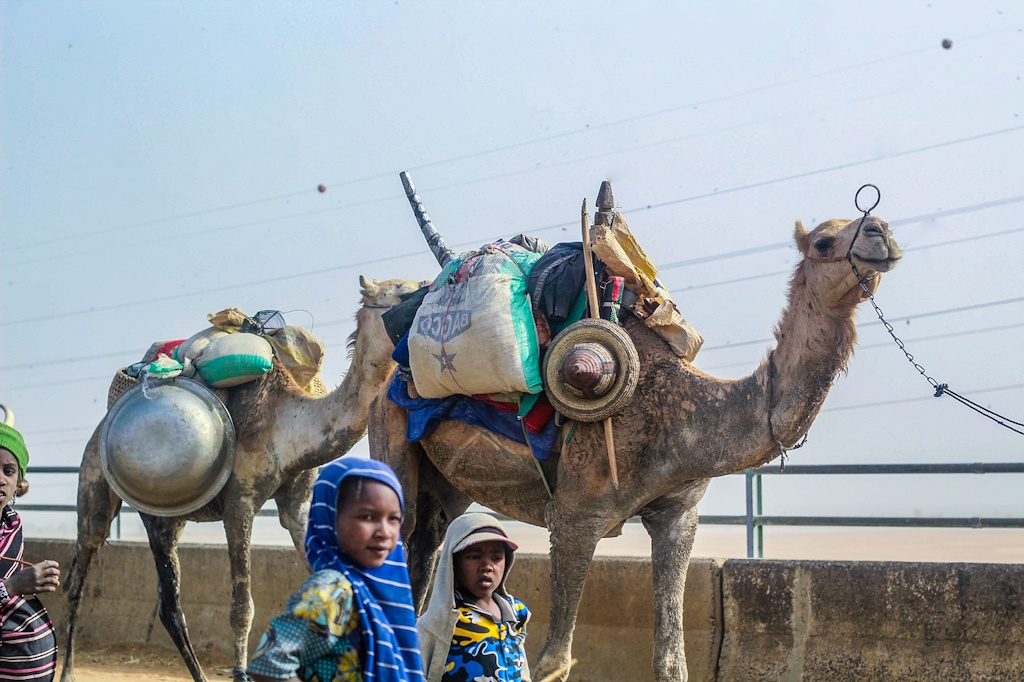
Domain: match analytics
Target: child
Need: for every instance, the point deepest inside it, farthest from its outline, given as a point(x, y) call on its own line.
point(353, 619)
point(473, 629)
point(28, 645)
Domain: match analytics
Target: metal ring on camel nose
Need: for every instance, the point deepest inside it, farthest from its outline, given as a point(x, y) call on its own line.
point(591, 370)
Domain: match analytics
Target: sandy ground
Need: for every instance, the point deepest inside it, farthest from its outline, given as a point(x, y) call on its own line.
point(143, 665)
point(854, 544)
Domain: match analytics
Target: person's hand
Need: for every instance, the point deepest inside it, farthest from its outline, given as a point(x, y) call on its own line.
point(41, 577)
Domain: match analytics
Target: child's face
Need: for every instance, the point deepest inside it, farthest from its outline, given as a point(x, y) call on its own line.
point(369, 523)
point(479, 568)
point(8, 476)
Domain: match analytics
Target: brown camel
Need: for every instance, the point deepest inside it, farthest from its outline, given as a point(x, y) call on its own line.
point(681, 428)
point(283, 435)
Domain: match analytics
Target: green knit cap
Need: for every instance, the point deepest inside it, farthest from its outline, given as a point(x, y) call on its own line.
point(10, 439)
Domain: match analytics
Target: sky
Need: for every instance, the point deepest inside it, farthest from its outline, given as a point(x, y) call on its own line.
point(159, 161)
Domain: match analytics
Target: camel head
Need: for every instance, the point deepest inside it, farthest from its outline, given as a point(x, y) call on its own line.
point(388, 292)
point(829, 249)
point(369, 343)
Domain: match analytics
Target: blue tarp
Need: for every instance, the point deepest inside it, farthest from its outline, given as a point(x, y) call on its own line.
point(426, 413)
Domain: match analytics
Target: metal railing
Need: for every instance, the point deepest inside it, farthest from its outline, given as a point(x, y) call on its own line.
point(754, 519)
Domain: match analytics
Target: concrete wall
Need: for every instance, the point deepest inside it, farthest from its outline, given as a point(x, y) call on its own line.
point(744, 620)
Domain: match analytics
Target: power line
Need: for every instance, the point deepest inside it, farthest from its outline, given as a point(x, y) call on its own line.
point(933, 313)
point(495, 150)
point(647, 207)
point(900, 401)
point(893, 223)
point(693, 261)
point(946, 311)
point(888, 344)
point(829, 169)
point(727, 346)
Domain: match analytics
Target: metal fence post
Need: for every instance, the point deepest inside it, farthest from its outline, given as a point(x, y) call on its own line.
point(760, 511)
point(749, 481)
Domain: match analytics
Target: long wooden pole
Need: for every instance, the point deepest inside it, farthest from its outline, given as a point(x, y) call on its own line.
point(595, 311)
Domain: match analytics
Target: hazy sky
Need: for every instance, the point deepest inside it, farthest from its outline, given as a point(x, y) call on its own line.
point(160, 162)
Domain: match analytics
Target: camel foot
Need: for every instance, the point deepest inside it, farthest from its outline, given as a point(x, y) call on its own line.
point(548, 672)
point(238, 675)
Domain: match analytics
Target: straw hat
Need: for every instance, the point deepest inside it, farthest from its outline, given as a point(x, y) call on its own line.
point(591, 370)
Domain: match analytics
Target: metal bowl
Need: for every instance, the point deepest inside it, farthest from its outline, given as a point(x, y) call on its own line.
point(167, 446)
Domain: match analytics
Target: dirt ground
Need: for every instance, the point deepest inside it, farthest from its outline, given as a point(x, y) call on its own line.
point(143, 664)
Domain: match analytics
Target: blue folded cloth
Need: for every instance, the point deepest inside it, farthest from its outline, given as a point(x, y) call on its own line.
point(426, 413)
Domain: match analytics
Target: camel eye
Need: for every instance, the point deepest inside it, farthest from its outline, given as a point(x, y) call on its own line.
point(823, 245)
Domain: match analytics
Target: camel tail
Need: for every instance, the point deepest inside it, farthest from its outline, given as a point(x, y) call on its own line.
point(437, 246)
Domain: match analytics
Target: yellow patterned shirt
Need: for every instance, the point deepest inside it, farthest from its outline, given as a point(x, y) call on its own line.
point(317, 638)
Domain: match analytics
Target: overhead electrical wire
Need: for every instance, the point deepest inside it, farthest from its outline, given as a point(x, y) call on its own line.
point(589, 128)
point(419, 252)
point(647, 207)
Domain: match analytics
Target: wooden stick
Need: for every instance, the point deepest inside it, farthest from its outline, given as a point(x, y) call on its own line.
point(20, 561)
point(588, 265)
point(595, 311)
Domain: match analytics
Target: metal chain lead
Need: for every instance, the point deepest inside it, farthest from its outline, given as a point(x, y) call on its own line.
point(940, 389)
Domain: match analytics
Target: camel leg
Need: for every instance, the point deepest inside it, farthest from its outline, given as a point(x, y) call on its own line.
point(292, 500)
point(672, 531)
point(164, 533)
point(437, 503)
point(574, 538)
point(423, 544)
point(97, 507)
point(238, 531)
point(388, 444)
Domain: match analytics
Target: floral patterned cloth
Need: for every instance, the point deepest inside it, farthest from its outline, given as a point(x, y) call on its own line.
point(317, 638)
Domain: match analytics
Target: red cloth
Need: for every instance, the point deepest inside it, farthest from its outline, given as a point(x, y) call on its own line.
point(535, 419)
point(161, 347)
point(539, 414)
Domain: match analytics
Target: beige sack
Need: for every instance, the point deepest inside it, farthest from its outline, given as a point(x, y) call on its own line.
point(229, 319)
point(192, 347)
point(296, 348)
point(668, 323)
point(301, 353)
point(619, 251)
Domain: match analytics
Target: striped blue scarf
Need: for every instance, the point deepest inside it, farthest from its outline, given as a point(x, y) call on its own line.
point(384, 598)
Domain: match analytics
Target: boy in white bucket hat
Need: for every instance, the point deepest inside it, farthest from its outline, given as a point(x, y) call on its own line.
point(473, 629)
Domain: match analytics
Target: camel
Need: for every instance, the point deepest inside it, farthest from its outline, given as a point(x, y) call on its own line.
point(283, 435)
point(681, 428)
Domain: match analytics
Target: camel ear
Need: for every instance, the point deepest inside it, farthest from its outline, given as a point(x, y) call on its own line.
point(803, 238)
point(368, 288)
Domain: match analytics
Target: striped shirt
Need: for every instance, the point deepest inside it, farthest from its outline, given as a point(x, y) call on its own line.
point(28, 643)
